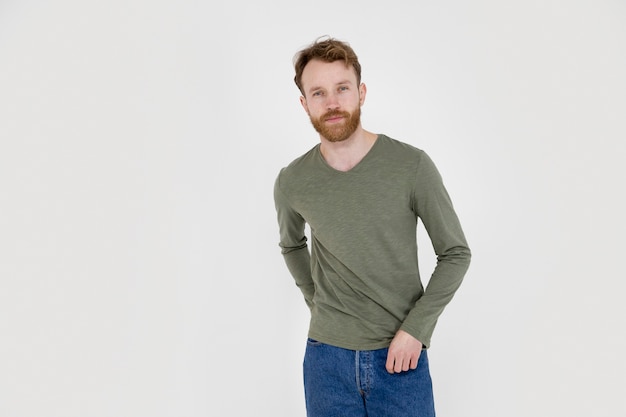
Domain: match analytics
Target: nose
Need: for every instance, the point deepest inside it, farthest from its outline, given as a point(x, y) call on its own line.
point(332, 101)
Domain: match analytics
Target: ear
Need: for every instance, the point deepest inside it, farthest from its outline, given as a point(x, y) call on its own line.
point(362, 93)
point(304, 105)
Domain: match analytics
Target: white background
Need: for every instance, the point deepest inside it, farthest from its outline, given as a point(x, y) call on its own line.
point(140, 273)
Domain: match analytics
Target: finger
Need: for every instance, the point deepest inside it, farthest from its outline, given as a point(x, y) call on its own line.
point(398, 364)
point(389, 364)
point(414, 361)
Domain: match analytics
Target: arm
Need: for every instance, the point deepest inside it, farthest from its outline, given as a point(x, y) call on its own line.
point(293, 244)
point(433, 206)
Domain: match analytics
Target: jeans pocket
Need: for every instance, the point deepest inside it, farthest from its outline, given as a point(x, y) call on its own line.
point(313, 342)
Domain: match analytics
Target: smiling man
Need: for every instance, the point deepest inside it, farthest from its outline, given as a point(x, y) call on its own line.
point(362, 195)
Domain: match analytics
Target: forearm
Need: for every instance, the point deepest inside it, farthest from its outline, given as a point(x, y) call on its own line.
point(443, 284)
point(299, 264)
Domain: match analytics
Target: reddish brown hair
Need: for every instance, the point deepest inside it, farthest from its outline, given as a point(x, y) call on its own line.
point(328, 50)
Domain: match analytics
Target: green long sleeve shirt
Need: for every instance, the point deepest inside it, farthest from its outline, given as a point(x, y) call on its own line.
point(360, 278)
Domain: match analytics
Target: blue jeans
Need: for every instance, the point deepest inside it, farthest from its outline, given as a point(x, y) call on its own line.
point(346, 383)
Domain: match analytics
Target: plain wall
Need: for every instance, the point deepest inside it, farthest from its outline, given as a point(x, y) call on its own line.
point(140, 273)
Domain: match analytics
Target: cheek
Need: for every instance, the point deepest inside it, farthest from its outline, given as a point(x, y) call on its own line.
point(313, 111)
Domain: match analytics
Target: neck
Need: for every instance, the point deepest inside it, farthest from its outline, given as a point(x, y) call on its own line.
point(345, 155)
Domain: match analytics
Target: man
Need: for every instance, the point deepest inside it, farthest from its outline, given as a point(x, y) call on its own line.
point(361, 195)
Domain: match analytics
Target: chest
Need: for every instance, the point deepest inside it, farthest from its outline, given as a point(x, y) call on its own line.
point(354, 202)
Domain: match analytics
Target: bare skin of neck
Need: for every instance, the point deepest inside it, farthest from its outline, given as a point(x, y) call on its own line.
point(345, 155)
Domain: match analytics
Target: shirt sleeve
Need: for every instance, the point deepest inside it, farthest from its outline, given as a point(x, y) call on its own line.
point(293, 243)
point(433, 206)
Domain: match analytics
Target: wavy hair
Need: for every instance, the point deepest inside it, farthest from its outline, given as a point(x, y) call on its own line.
point(326, 49)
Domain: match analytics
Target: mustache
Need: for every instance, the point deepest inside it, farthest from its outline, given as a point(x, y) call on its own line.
point(334, 113)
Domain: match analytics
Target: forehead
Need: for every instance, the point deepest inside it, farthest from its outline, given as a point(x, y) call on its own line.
point(321, 73)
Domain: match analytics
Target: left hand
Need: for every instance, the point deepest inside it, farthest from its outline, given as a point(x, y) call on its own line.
point(404, 352)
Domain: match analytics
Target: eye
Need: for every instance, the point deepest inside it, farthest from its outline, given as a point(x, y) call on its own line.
point(343, 88)
point(317, 93)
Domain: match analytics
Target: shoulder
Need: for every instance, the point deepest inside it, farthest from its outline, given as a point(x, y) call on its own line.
point(303, 160)
point(402, 152)
point(404, 159)
point(299, 167)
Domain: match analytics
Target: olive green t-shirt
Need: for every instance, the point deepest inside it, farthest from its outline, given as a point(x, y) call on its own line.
point(361, 278)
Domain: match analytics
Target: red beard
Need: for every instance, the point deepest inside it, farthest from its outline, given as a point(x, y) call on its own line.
point(339, 131)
